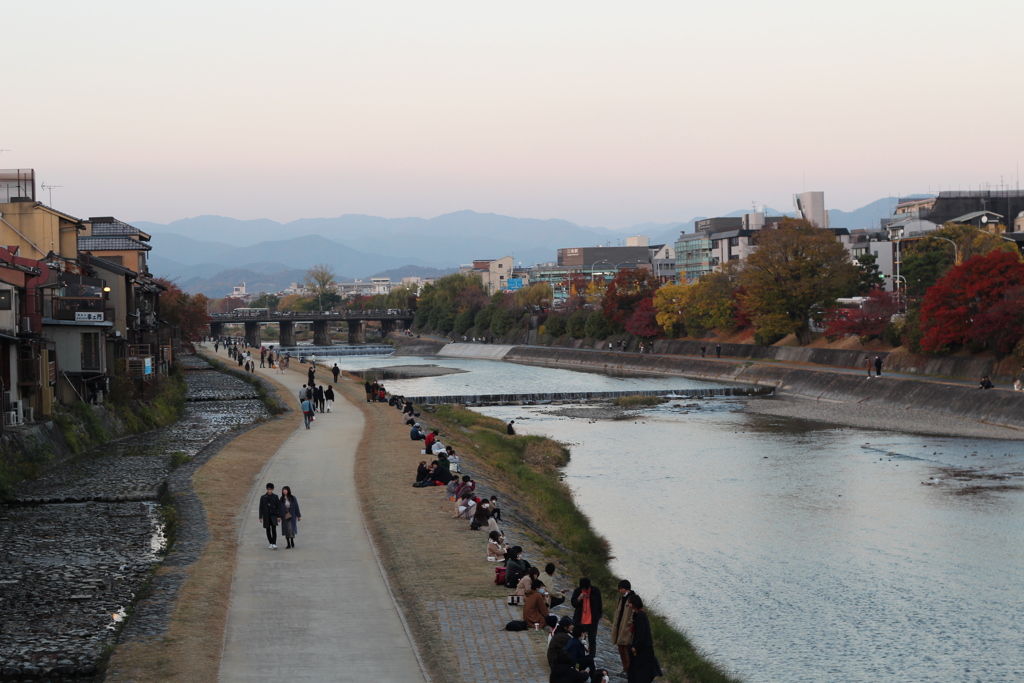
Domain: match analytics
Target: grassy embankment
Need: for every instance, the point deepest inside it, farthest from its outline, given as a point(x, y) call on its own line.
point(530, 466)
point(83, 426)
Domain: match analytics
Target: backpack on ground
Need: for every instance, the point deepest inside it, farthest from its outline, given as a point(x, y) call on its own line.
point(516, 625)
point(499, 576)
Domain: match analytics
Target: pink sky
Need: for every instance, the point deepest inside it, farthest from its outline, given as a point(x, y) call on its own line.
point(599, 113)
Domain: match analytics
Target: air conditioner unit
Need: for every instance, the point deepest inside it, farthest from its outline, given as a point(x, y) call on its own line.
point(30, 414)
point(16, 407)
point(11, 418)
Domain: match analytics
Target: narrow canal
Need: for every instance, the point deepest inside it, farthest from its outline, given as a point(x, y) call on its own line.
point(788, 549)
point(69, 570)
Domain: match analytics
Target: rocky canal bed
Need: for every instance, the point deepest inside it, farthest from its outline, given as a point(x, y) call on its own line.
point(70, 571)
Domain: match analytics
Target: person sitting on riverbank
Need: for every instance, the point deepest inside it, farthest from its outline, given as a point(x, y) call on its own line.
point(467, 486)
point(515, 567)
point(523, 585)
point(465, 506)
point(986, 383)
point(495, 547)
point(416, 434)
point(422, 472)
point(535, 609)
point(495, 510)
point(480, 516)
point(451, 487)
point(429, 439)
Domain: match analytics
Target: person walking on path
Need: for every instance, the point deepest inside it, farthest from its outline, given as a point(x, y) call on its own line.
point(329, 398)
point(302, 394)
point(867, 365)
point(878, 366)
point(586, 601)
point(622, 624)
point(335, 371)
point(318, 398)
point(270, 510)
point(718, 350)
point(311, 374)
point(307, 412)
point(643, 665)
point(263, 358)
point(703, 350)
point(290, 516)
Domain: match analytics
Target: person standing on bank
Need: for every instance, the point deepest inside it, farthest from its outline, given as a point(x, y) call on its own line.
point(329, 398)
point(718, 350)
point(270, 510)
point(307, 411)
point(643, 665)
point(878, 366)
point(622, 624)
point(290, 516)
point(509, 429)
point(335, 371)
point(586, 601)
point(867, 365)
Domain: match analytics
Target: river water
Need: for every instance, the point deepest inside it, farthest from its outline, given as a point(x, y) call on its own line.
point(791, 550)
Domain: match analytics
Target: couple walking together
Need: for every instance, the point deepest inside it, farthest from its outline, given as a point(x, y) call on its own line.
point(284, 508)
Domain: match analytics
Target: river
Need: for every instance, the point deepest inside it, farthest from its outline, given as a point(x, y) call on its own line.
point(787, 549)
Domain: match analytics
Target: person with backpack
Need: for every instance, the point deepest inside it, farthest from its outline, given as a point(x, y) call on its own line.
point(307, 412)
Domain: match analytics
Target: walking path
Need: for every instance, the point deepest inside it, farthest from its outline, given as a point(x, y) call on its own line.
point(320, 611)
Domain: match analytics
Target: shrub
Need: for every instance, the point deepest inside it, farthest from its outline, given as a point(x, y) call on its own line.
point(597, 326)
point(576, 325)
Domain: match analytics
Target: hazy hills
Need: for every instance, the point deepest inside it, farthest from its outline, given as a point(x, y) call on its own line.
point(210, 254)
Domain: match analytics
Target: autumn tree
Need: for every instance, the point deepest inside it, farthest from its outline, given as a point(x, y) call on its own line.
point(979, 302)
point(320, 281)
point(866, 322)
point(669, 303)
point(627, 289)
point(184, 310)
point(796, 270)
point(713, 301)
point(537, 294)
point(265, 300)
point(643, 322)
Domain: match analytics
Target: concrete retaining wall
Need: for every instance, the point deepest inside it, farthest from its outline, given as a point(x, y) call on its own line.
point(1004, 408)
point(839, 358)
point(417, 347)
point(486, 351)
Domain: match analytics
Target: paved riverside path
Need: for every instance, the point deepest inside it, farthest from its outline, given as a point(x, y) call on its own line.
point(320, 611)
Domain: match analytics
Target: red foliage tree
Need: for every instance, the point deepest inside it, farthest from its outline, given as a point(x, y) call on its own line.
point(867, 321)
point(981, 301)
point(643, 322)
point(184, 310)
point(627, 289)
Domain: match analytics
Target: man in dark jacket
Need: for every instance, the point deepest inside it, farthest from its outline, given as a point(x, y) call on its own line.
point(335, 371)
point(270, 510)
point(318, 396)
point(586, 601)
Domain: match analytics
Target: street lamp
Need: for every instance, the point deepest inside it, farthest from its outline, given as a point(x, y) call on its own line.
point(899, 292)
point(956, 249)
point(593, 268)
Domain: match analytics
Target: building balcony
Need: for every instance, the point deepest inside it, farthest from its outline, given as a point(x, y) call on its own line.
point(80, 309)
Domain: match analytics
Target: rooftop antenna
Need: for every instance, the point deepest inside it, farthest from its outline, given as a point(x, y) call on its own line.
point(4, 150)
point(49, 190)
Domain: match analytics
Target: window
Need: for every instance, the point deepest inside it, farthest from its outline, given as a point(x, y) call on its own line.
point(90, 351)
point(6, 295)
point(734, 241)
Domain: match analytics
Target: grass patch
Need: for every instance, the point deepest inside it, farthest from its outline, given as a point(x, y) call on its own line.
point(637, 401)
point(530, 465)
point(178, 459)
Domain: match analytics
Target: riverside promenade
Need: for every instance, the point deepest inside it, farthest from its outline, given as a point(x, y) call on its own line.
point(321, 611)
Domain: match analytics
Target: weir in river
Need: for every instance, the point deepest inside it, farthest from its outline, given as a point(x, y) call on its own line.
point(540, 398)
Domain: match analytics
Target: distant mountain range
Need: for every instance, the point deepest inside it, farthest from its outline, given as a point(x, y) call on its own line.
point(211, 254)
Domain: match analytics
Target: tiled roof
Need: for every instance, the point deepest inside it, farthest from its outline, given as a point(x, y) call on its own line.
point(97, 243)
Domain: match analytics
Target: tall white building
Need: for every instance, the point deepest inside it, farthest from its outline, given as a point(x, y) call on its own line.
point(811, 207)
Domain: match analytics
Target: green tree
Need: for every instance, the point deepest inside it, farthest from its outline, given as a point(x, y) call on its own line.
point(869, 276)
point(576, 326)
point(797, 270)
point(598, 326)
point(924, 263)
point(502, 321)
point(555, 325)
point(482, 322)
point(464, 321)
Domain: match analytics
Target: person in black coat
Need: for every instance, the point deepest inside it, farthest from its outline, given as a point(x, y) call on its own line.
point(586, 601)
point(643, 666)
point(270, 511)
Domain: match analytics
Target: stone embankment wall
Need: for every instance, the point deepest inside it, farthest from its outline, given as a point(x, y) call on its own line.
point(1004, 408)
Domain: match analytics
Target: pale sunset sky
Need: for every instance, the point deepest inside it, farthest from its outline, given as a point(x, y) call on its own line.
point(600, 113)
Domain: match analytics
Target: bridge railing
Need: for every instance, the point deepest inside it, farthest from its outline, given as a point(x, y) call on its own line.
point(382, 314)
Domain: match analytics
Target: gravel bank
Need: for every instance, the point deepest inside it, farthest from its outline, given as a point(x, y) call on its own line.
point(878, 417)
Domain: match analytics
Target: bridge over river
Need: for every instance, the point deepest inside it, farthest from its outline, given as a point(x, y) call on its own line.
point(253, 320)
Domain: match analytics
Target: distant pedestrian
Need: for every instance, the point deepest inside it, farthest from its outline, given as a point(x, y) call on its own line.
point(878, 366)
point(302, 393)
point(307, 412)
point(867, 365)
point(509, 429)
point(718, 350)
point(622, 625)
point(329, 398)
point(586, 601)
point(335, 371)
point(290, 515)
point(263, 358)
point(269, 512)
point(986, 383)
point(311, 374)
point(703, 350)
point(318, 398)
point(369, 391)
point(643, 665)
point(216, 347)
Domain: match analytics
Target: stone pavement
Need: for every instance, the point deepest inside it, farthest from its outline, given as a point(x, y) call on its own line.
point(487, 653)
point(321, 611)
